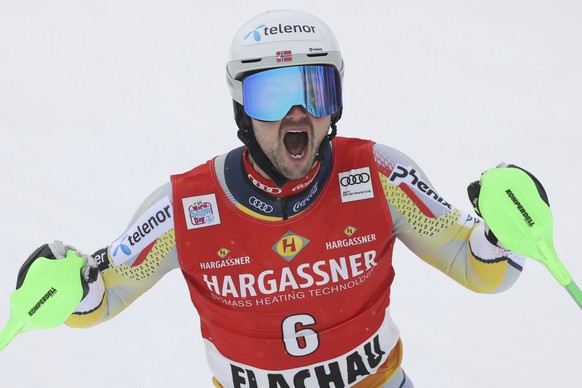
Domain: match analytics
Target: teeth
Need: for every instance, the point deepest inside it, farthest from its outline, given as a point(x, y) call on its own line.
point(298, 156)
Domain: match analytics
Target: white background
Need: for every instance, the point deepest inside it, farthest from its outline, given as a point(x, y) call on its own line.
point(100, 101)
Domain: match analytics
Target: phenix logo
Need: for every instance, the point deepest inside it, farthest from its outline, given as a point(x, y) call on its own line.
point(409, 176)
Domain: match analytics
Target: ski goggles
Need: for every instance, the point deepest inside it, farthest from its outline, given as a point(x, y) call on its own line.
point(269, 95)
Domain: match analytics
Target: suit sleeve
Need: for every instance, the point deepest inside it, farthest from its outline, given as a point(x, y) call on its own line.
point(440, 234)
point(133, 263)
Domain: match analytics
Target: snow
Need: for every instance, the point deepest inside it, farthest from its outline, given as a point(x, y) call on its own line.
point(100, 101)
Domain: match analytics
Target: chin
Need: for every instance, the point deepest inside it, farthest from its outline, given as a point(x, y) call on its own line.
point(299, 173)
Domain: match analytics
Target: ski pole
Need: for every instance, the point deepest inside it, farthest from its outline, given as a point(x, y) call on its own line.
point(514, 205)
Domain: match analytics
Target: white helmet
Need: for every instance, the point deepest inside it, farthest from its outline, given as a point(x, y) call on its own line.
point(274, 39)
point(278, 39)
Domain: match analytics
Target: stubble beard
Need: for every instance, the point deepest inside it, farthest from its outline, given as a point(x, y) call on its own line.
point(279, 160)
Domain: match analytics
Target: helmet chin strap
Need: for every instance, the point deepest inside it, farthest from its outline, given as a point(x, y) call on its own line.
point(259, 157)
point(247, 136)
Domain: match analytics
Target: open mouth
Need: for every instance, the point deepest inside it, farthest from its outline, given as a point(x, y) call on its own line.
point(296, 143)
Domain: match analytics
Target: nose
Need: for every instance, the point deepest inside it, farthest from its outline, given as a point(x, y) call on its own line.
point(297, 112)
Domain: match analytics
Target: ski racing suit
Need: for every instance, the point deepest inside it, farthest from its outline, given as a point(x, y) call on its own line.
point(292, 284)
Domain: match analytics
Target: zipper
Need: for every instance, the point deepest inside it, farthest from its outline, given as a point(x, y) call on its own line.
point(284, 210)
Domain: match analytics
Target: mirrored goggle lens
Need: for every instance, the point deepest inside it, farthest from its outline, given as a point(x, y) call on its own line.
point(270, 94)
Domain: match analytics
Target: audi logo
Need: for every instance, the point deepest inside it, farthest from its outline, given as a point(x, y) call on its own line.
point(355, 179)
point(257, 203)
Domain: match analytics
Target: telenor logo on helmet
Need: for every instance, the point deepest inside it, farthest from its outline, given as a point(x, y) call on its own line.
point(281, 31)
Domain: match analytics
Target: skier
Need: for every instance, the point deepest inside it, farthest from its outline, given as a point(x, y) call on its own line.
point(286, 242)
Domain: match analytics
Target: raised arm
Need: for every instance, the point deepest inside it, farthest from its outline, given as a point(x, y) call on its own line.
point(445, 237)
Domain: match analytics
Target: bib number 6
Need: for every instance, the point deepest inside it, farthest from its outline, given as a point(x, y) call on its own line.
point(298, 338)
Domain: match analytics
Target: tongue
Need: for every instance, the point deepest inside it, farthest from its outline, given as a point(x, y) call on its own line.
point(295, 142)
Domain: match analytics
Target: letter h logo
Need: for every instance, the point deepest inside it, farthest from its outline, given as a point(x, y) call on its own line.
point(289, 245)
